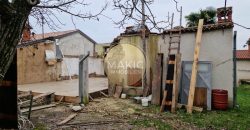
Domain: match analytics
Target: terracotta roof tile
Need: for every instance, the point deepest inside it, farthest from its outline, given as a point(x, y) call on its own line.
point(243, 54)
point(38, 38)
point(209, 27)
point(51, 34)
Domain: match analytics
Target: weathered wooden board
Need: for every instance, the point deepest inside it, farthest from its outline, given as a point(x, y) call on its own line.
point(200, 97)
point(70, 117)
point(198, 109)
point(157, 81)
point(163, 103)
point(177, 76)
point(43, 95)
point(118, 91)
point(38, 108)
point(195, 67)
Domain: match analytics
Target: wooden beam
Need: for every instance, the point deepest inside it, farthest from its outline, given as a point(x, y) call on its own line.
point(198, 109)
point(38, 108)
point(163, 103)
point(195, 67)
point(24, 95)
point(105, 95)
point(37, 97)
point(169, 81)
point(176, 80)
point(70, 117)
point(118, 91)
point(157, 81)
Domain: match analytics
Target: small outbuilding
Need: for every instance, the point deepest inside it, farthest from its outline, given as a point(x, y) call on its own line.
point(215, 61)
point(55, 56)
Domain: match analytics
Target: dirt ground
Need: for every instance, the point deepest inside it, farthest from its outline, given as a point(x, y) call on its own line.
point(107, 114)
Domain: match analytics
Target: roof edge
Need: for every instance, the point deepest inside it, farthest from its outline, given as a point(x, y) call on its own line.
point(208, 27)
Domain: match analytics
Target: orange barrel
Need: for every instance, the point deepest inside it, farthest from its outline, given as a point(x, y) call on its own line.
point(219, 99)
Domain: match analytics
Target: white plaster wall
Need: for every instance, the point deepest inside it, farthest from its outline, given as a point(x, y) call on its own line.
point(216, 46)
point(96, 66)
point(75, 45)
point(243, 69)
point(70, 66)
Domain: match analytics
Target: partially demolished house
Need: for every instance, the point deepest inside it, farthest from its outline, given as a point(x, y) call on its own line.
point(243, 63)
point(215, 69)
point(54, 56)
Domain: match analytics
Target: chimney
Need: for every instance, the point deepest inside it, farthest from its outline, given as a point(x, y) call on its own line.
point(26, 33)
point(249, 48)
point(224, 14)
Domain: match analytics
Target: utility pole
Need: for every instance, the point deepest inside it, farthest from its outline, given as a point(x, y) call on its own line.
point(143, 25)
point(225, 3)
point(181, 17)
point(42, 17)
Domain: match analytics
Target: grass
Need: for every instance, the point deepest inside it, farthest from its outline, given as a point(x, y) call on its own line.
point(146, 123)
point(40, 126)
point(233, 119)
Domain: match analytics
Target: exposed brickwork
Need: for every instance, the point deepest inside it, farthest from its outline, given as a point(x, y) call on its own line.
point(224, 15)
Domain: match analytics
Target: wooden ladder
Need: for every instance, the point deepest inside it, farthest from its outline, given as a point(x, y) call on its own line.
point(173, 70)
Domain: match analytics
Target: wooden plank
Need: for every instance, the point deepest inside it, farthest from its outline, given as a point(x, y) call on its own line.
point(195, 67)
point(176, 80)
point(171, 62)
point(43, 95)
point(157, 81)
point(38, 108)
point(178, 77)
point(70, 117)
point(174, 88)
point(198, 109)
point(111, 90)
point(163, 103)
point(37, 97)
point(200, 97)
point(169, 81)
point(118, 91)
point(105, 95)
point(26, 94)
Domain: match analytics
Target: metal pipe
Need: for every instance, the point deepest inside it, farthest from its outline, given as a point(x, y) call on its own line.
point(181, 17)
point(85, 57)
point(234, 70)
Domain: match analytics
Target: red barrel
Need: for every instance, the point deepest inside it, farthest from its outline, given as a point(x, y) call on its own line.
point(219, 99)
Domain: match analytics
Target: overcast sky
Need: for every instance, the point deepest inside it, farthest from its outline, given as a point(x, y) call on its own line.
point(104, 30)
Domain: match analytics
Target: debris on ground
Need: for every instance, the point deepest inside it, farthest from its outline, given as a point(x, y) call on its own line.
point(76, 108)
point(106, 113)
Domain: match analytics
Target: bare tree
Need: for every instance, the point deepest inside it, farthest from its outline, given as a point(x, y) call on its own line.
point(135, 10)
point(48, 10)
point(14, 14)
point(140, 12)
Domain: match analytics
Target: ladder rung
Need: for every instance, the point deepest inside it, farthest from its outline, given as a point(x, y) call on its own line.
point(169, 81)
point(174, 48)
point(168, 103)
point(171, 62)
point(175, 36)
point(174, 42)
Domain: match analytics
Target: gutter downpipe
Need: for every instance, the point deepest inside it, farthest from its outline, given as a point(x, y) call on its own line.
point(83, 79)
point(234, 70)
